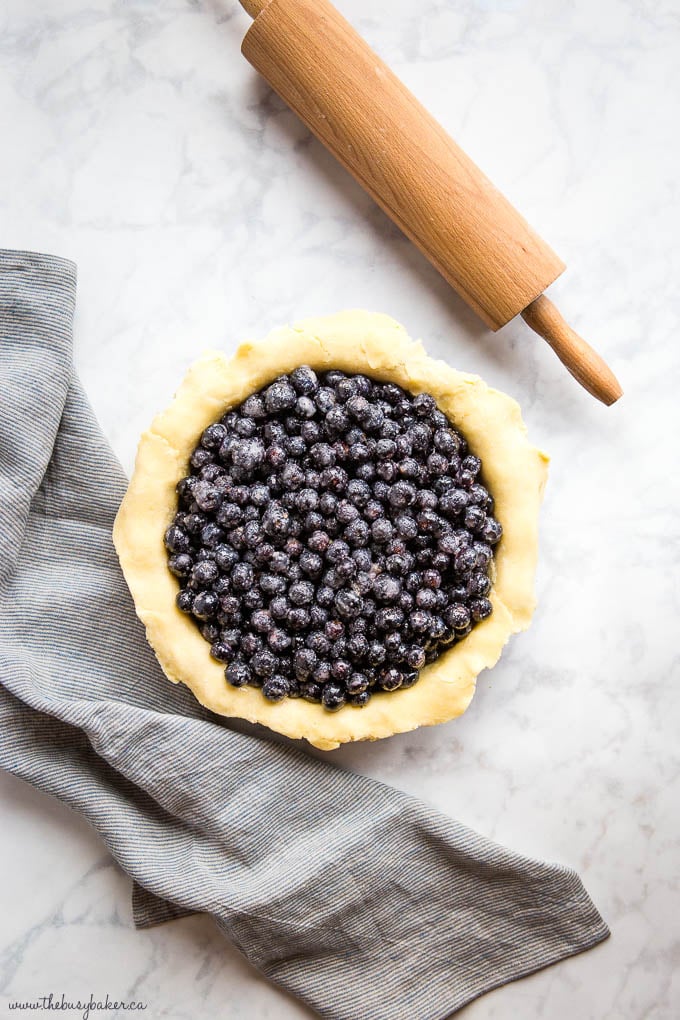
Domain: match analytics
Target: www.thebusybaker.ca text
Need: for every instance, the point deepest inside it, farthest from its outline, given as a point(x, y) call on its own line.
point(83, 1006)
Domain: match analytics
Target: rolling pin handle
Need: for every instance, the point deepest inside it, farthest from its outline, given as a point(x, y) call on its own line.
point(254, 7)
point(585, 364)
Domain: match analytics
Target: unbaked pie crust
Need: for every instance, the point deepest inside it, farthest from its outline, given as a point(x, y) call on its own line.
point(513, 471)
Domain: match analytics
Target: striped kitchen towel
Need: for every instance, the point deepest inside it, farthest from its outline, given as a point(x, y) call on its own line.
point(365, 903)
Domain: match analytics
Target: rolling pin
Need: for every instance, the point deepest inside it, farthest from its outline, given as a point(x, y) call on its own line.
point(319, 65)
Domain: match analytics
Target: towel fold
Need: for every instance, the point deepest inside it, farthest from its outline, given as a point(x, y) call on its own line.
point(364, 902)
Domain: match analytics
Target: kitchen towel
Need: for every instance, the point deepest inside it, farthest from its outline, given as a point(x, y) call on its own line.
point(364, 902)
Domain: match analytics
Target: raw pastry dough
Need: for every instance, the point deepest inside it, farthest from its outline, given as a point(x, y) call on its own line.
point(513, 470)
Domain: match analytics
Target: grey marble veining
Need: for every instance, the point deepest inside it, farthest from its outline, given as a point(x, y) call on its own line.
point(200, 212)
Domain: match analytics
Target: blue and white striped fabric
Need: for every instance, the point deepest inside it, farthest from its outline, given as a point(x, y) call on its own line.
point(362, 901)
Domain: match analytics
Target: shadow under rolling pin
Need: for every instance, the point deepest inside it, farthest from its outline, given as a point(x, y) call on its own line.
point(313, 58)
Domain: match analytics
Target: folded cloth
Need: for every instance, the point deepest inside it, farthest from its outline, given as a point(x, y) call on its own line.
point(365, 903)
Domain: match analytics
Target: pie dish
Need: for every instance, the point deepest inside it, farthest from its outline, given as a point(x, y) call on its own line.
point(379, 349)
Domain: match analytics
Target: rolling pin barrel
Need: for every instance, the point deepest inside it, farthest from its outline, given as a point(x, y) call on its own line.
point(352, 102)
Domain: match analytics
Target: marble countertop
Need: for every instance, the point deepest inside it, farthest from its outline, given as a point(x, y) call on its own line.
point(138, 142)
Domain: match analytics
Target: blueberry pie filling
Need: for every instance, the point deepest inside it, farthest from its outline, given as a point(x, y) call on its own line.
point(332, 538)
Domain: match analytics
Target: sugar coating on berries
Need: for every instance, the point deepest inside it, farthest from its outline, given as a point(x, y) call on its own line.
point(333, 537)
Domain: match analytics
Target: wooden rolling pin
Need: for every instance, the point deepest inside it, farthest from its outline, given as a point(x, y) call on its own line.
point(376, 128)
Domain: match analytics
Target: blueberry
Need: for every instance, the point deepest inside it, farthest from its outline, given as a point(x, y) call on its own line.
point(357, 647)
point(475, 518)
point(359, 700)
point(305, 408)
point(348, 604)
point(492, 531)
point(389, 618)
point(385, 449)
point(420, 435)
point(358, 492)
point(318, 617)
point(318, 542)
point(424, 405)
point(345, 389)
point(457, 616)
point(254, 407)
point(176, 540)
point(386, 588)
point(382, 531)
point(306, 500)
point(376, 653)
point(263, 663)
point(278, 561)
point(415, 656)
point(480, 609)
point(248, 455)
point(272, 584)
point(242, 576)
point(301, 593)
point(210, 631)
point(229, 515)
point(337, 550)
point(298, 619)
point(313, 522)
point(334, 479)
point(305, 380)
point(465, 560)
point(261, 621)
point(275, 688)
point(207, 497)
point(280, 396)
point(311, 563)
point(203, 574)
point(479, 584)
point(275, 457)
point(311, 691)
point(322, 672)
point(205, 605)
point(276, 520)
point(184, 600)
point(390, 679)
point(201, 458)
point(336, 420)
point(437, 464)
point(250, 644)
point(278, 640)
point(214, 436)
point(362, 558)
point(328, 503)
point(180, 565)
point(245, 428)
point(419, 621)
point(393, 644)
point(387, 471)
point(357, 683)
point(402, 494)
point(221, 651)
point(334, 629)
point(341, 670)
point(304, 662)
point(238, 674)
point(333, 696)
point(318, 642)
point(425, 598)
point(346, 569)
point(293, 548)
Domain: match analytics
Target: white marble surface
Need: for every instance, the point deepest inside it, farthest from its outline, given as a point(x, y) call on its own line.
point(138, 142)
